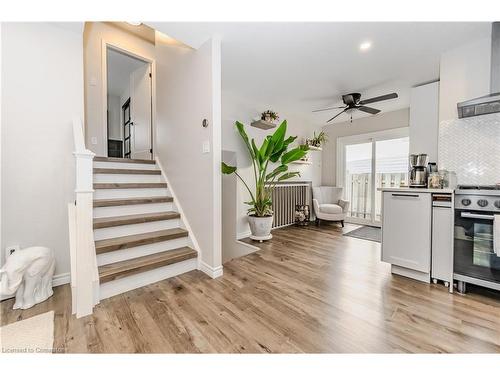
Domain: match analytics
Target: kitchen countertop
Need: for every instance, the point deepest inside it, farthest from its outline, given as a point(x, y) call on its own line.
point(416, 190)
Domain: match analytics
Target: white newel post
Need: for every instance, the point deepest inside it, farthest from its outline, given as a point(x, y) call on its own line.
point(84, 237)
point(85, 266)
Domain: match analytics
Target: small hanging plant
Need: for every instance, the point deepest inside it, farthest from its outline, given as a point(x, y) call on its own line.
point(317, 140)
point(269, 116)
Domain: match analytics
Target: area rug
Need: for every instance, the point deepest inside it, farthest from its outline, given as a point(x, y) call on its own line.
point(366, 233)
point(33, 335)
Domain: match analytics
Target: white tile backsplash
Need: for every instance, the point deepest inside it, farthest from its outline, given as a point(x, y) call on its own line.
point(471, 148)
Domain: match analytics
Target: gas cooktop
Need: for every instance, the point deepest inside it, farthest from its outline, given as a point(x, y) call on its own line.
point(478, 197)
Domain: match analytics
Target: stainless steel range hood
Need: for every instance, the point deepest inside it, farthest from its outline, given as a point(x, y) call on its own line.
point(488, 103)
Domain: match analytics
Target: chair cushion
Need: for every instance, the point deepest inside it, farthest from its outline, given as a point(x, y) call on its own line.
point(330, 208)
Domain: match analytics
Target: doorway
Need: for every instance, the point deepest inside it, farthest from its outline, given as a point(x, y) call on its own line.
point(129, 105)
point(367, 162)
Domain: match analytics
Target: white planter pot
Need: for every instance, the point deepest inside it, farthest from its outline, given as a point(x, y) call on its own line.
point(260, 227)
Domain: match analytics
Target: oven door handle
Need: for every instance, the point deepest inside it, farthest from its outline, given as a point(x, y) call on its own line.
point(468, 215)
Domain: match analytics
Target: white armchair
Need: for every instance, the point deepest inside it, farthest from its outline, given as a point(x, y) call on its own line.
point(329, 205)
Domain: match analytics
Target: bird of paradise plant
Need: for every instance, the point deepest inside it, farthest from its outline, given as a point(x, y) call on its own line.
point(274, 149)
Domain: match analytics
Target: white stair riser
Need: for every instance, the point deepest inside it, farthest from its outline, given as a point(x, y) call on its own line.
point(118, 178)
point(125, 284)
point(127, 230)
point(107, 164)
point(130, 193)
point(132, 209)
point(139, 251)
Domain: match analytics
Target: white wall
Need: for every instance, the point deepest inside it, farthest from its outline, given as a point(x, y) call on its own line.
point(470, 147)
point(42, 89)
point(424, 120)
point(188, 91)
point(382, 121)
point(236, 108)
point(231, 248)
point(95, 34)
point(114, 117)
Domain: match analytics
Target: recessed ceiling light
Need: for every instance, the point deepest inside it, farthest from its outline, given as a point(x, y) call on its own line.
point(134, 23)
point(365, 46)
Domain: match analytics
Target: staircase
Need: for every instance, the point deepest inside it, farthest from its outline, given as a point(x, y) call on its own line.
point(139, 236)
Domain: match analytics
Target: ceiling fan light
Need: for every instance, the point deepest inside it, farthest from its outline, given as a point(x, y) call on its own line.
point(365, 46)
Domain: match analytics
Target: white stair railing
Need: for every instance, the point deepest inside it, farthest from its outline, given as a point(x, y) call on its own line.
point(84, 274)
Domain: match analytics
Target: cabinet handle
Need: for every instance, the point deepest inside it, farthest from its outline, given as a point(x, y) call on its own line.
point(476, 216)
point(405, 195)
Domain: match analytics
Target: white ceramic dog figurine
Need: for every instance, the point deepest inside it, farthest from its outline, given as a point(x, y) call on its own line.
point(28, 272)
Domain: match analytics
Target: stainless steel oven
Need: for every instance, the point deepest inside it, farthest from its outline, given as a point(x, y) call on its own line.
point(475, 260)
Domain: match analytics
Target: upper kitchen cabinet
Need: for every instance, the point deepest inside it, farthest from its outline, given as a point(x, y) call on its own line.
point(424, 120)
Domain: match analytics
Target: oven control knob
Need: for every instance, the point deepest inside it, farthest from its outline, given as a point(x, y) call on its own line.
point(466, 202)
point(482, 202)
point(497, 204)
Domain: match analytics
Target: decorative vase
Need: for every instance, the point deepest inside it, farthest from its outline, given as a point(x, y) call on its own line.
point(260, 226)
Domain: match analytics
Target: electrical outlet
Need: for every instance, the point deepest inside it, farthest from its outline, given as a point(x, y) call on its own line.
point(9, 250)
point(93, 140)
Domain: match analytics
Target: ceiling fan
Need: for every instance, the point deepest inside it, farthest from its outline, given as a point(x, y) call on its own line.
point(353, 103)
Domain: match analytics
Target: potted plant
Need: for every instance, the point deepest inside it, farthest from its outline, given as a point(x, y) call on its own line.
point(274, 149)
point(269, 116)
point(317, 140)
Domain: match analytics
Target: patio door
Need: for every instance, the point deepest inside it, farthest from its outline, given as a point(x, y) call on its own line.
point(367, 162)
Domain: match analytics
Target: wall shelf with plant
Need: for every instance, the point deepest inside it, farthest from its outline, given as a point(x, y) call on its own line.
point(314, 148)
point(317, 141)
point(267, 120)
point(305, 162)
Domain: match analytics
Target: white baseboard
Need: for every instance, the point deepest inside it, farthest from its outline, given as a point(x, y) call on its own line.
point(253, 247)
point(213, 272)
point(61, 279)
point(184, 220)
point(243, 235)
point(57, 280)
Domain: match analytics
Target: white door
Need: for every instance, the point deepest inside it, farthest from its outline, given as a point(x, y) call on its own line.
point(140, 110)
point(366, 163)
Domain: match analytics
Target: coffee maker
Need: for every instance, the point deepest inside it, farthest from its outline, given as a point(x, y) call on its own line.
point(418, 170)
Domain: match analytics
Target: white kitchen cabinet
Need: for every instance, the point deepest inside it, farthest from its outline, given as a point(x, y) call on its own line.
point(442, 244)
point(406, 232)
point(424, 120)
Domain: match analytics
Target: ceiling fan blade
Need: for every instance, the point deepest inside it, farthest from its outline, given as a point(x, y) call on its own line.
point(337, 115)
point(379, 98)
point(327, 109)
point(370, 110)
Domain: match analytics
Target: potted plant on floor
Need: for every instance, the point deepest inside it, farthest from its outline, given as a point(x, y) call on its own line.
point(272, 153)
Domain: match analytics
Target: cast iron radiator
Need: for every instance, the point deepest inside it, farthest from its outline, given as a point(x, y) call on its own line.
point(285, 197)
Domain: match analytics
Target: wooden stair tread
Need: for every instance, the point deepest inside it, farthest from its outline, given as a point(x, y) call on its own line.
point(130, 185)
point(126, 171)
point(106, 222)
point(130, 201)
point(125, 242)
point(129, 267)
point(123, 160)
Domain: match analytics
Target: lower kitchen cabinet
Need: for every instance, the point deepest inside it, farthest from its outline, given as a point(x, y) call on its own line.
point(442, 244)
point(406, 233)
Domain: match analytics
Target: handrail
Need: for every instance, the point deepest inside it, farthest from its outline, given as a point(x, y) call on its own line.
point(78, 135)
point(85, 282)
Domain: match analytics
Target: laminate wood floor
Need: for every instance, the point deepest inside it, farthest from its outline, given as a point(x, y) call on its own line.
point(307, 290)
